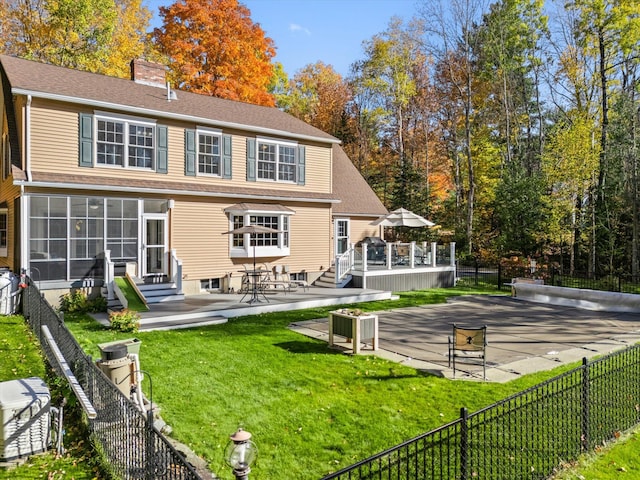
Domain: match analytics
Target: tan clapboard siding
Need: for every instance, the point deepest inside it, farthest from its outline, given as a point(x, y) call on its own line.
point(196, 232)
point(54, 139)
point(317, 167)
point(310, 239)
point(361, 228)
point(54, 148)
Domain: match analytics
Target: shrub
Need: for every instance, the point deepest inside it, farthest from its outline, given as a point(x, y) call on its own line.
point(78, 302)
point(98, 304)
point(74, 302)
point(125, 320)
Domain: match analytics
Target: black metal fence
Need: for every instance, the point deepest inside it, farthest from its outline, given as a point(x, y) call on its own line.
point(499, 275)
point(526, 436)
point(133, 447)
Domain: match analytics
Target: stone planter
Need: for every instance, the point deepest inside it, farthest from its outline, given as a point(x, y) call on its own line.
point(354, 328)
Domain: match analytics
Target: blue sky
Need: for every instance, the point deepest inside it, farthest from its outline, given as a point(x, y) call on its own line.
point(331, 31)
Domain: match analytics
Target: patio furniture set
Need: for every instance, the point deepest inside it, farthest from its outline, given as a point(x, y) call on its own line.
point(257, 281)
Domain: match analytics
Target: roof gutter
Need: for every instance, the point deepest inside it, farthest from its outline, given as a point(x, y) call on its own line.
point(160, 113)
point(164, 191)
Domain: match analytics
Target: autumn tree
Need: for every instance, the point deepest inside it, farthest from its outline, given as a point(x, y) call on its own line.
point(100, 36)
point(215, 49)
point(450, 40)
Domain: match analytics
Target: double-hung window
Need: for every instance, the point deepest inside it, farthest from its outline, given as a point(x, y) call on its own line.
point(124, 142)
point(277, 161)
point(209, 153)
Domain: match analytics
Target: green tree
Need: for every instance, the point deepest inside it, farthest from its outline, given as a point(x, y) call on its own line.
point(94, 35)
point(318, 95)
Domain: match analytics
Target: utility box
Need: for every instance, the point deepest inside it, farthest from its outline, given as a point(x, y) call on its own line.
point(132, 344)
point(117, 365)
point(25, 407)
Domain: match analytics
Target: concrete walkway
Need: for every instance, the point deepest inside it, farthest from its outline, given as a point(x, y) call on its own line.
point(524, 337)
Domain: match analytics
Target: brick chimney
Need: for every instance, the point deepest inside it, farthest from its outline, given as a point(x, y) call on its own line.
point(148, 73)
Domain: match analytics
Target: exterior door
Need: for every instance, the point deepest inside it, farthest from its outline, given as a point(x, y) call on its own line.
point(154, 245)
point(342, 235)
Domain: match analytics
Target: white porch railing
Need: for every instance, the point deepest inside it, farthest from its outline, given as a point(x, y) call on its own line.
point(176, 271)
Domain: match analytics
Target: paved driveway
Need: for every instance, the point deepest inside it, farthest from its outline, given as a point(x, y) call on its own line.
point(523, 336)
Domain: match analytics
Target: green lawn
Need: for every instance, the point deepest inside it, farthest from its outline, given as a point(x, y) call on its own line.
point(20, 357)
point(616, 461)
point(311, 410)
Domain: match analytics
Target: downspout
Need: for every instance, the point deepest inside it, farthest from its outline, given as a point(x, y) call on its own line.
point(27, 138)
point(24, 217)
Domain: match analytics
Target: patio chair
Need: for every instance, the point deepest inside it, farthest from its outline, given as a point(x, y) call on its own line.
point(468, 343)
point(299, 283)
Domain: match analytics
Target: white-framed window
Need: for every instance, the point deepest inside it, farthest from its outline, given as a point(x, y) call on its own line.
point(125, 142)
point(277, 160)
point(209, 152)
point(4, 232)
point(265, 244)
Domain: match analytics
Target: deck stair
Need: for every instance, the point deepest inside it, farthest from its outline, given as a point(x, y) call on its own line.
point(153, 289)
point(157, 289)
point(328, 280)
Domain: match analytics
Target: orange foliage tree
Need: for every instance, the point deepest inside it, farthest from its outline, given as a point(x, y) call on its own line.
point(214, 48)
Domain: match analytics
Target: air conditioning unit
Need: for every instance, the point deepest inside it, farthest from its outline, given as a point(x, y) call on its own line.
point(25, 418)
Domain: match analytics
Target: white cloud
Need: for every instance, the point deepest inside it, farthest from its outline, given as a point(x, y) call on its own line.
point(294, 27)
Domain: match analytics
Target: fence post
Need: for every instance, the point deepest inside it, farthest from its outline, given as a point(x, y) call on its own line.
point(150, 453)
point(499, 276)
point(585, 405)
point(464, 444)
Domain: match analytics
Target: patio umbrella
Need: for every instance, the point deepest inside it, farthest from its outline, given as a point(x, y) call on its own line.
point(252, 230)
point(403, 218)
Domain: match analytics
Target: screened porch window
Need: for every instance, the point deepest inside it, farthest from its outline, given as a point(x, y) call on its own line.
point(69, 235)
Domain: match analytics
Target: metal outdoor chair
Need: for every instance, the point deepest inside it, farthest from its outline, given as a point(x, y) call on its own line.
point(468, 343)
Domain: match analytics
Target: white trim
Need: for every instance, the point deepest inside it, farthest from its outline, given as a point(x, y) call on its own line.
point(289, 143)
point(212, 132)
point(173, 116)
point(335, 234)
point(164, 191)
point(127, 121)
point(121, 116)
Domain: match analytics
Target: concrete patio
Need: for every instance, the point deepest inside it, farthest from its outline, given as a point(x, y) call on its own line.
point(523, 337)
point(216, 308)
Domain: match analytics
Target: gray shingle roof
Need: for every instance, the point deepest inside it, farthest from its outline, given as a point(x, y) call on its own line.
point(349, 186)
point(39, 79)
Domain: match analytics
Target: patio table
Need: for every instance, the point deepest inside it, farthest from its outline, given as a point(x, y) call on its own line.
point(255, 291)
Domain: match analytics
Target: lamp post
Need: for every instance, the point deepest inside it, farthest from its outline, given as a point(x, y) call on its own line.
point(240, 454)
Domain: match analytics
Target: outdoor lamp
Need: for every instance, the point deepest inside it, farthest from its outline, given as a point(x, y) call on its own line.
point(240, 454)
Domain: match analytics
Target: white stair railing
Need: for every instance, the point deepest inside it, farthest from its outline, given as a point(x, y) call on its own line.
point(176, 271)
point(344, 263)
point(109, 274)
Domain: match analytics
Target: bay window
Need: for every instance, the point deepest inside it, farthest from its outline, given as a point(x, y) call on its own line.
point(266, 244)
